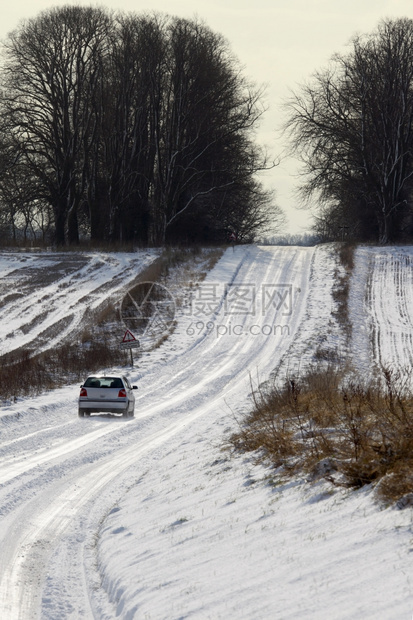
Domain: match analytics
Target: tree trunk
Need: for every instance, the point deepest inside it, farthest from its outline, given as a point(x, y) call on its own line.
point(59, 231)
point(73, 227)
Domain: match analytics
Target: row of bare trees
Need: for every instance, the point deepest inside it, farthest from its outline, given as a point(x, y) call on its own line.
point(127, 127)
point(352, 126)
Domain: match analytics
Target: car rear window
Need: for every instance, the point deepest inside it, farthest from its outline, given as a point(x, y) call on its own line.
point(103, 382)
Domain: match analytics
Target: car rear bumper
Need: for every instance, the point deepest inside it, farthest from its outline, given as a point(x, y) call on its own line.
point(96, 406)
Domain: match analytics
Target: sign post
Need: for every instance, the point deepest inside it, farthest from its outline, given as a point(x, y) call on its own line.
point(129, 342)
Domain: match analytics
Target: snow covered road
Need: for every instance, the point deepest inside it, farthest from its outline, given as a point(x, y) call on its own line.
point(52, 472)
point(147, 518)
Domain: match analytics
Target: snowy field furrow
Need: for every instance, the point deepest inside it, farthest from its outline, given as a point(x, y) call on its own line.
point(149, 517)
point(43, 298)
point(381, 303)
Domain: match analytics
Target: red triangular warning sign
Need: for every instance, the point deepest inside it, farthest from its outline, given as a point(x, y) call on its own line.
point(128, 337)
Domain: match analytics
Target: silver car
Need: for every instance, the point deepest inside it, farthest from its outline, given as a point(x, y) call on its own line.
point(100, 394)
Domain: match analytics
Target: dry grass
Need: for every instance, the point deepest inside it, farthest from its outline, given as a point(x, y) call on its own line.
point(329, 427)
point(187, 258)
point(26, 373)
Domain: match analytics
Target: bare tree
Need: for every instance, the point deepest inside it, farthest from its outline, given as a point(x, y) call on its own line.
point(352, 128)
point(130, 107)
point(52, 66)
point(204, 150)
point(140, 127)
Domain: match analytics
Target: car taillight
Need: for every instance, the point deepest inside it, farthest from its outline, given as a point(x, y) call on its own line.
point(83, 392)
point(122, 393)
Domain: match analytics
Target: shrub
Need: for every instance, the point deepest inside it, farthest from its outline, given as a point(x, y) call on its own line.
point(25, 373)
point(363, 432)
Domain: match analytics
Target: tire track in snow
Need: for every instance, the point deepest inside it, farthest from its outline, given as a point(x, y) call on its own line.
point(390, 308)
point(222, 363)
point(30, 545)
point(179, 393)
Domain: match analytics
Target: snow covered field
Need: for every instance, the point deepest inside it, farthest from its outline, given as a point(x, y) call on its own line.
point(44, 297)
point(384, 318)
point(150, 518)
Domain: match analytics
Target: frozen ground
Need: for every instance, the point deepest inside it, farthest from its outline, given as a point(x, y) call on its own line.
point(150, 519)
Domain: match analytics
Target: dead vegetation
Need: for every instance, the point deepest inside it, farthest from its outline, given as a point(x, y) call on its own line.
point(332, 425)
point(26, 373)
point(326, 426)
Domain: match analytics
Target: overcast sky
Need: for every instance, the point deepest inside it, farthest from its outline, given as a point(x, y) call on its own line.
point(279, 43)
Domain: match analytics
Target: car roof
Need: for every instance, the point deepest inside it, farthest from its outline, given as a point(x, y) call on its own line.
point(105, 377)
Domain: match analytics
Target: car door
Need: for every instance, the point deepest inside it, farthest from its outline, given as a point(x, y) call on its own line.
point(129, 390)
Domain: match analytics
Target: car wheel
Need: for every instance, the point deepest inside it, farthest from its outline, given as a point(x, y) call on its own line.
point(81, 413)
point(132, 413)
